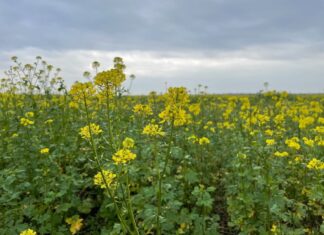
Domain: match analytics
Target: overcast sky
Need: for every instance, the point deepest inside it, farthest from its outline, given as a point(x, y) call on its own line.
point(227, 45)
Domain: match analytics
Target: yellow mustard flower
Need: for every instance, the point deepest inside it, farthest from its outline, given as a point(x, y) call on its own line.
point(177, 95)
point(82, 92)
point(305, 121)
point(270, 142)
point(28, 232)
point(26, 122)
point(319, 141)
point(128, 143)
point(153, 130)
point(179, 116)
point(204, 141)
point(315, 164)
point(85, 131)
point(226, 125)
point(142, 109)
point(319, 129)
point(274, 229)
point(320, 120)
point(193, 139)
point(123, 156)
point(194, 108)
point(29, 114)
point(281, 154)
point(308, 142)
point(110, 79)
point(176, 100)
point(269, 132)
point(73, 105)
point(44, 151)
point(279, 118)
point(109, 177)
point(262, 118)
point(293, 143)
point(75, 223)
point(298, 159)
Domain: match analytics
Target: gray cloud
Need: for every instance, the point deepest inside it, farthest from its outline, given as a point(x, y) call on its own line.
point(229, 45)
point(240, 71)
point(158, 25)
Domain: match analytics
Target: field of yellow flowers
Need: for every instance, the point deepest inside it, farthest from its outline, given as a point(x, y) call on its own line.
point(94, 160)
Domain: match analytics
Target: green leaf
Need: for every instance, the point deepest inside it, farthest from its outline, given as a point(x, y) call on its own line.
point(191, 176)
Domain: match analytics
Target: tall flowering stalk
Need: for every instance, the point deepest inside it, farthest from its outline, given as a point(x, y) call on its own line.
point(109, 83)
point(84, 93)
point(121, 158)
point(174, 114)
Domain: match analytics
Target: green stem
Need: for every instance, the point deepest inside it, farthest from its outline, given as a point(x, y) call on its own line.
point(92, 142)
point(129, 205)
point(108, 116)
point(160, 176)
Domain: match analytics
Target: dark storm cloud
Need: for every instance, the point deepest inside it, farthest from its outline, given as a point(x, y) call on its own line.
point(228, 45)
point(207, 25)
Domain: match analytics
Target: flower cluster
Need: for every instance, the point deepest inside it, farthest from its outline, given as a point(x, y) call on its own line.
point(176, 114)
point(26, 121)
point(195, 109)
point(44, 151)
point(124, 155)
point(142, 109)
point(128, 143)
point(305, 121)
point(281, 154)
point(107, 178)
point(204, 141)
point(28, 232)
point(274, 229)
point(82, 92)
point(177, 96)
point(201, 141)
point(110, 79)
point(319, 129)
point(293, 143)
point(308, 142)
point(29, 114)
point(75, 223)
point(153, 130)
point(315, 164)
point(270, 142)
point(177, 100)
point(87, 132)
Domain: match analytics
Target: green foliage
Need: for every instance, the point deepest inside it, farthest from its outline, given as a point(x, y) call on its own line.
point(210, 172)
